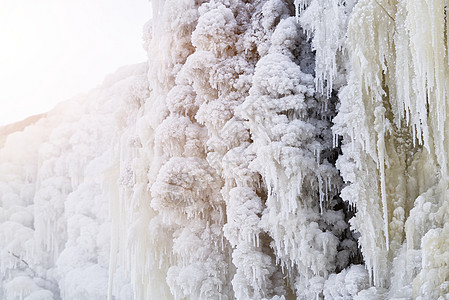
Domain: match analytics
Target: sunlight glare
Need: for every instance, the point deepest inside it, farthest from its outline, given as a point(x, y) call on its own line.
point(52, 50)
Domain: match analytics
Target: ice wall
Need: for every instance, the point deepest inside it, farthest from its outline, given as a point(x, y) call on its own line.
point(394, 126)
point(268, 149)
point(55, 226)
point(238, 196)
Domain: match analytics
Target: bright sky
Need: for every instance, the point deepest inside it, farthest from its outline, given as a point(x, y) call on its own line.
point(51, 50)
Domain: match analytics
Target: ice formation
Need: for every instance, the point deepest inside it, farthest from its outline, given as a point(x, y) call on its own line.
point(267, 149)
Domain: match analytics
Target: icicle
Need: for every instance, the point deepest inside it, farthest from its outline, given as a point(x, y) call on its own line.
point(381, 128)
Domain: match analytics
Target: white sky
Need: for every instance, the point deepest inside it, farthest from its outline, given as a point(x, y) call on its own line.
point(51, 50)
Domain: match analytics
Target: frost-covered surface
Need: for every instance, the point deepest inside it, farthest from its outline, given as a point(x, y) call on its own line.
point(267, 150)
point(55, 226)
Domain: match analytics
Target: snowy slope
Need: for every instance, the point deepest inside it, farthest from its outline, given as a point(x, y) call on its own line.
point(268, 149)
